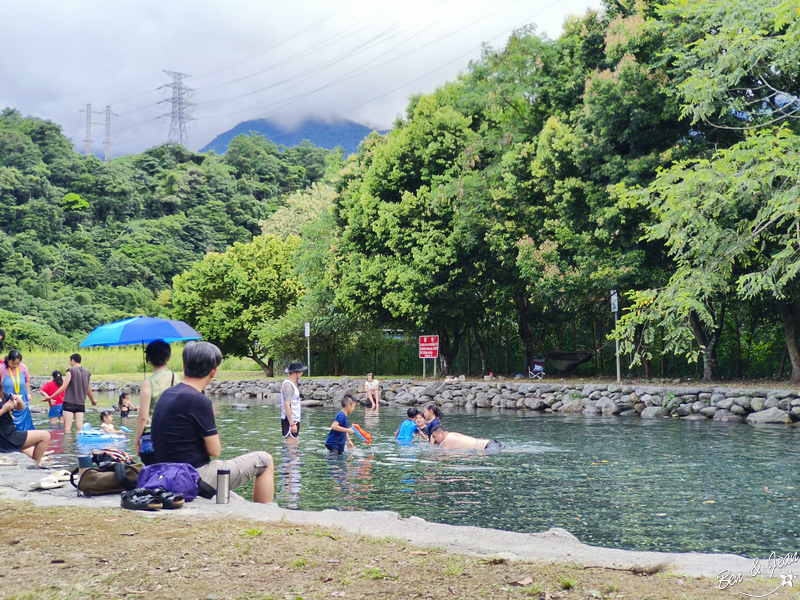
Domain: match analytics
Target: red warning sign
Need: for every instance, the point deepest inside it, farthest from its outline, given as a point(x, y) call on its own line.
point(429, 346)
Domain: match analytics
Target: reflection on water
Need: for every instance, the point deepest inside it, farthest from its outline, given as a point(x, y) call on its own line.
point(647, 485)
point(290, 476)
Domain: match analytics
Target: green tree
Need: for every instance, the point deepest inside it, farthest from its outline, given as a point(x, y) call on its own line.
point(228, 297)
point(730, 219)
point(74, 202)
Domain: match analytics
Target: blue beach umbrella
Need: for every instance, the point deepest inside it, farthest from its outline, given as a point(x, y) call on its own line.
point(140, 330)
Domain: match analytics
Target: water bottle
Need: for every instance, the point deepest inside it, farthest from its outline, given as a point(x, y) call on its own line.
point(84, 462)
point(223, 486)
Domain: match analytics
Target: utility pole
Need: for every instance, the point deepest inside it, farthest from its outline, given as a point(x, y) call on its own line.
point(107, 142)
point(180, 116)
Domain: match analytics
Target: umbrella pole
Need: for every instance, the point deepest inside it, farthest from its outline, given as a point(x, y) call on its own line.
point(144, 369)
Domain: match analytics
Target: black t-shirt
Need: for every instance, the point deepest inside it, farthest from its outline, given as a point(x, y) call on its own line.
point(182, 418)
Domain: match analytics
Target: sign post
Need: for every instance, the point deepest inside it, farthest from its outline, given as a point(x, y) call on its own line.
point(428, 348)
point(615, 310)
point(308, 347)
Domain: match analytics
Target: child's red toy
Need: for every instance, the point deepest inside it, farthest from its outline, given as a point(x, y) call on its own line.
point(363, 434)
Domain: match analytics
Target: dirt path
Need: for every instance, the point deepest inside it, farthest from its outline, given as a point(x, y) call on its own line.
point(78, 553)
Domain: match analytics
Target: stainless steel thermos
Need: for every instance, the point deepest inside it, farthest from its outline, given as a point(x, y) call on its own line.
point(223, 486)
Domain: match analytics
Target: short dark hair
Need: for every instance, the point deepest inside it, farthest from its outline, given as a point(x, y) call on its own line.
point(13, 355)
point(200, 358)
point(158, 353)
point(347, 399)
point(76, 357)
point(412, 412)
point(2, 334)
point(439, 428)
point(104, 414)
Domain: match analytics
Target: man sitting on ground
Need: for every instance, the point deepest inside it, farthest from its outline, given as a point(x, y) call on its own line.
point(450, 440)
point(183, 428)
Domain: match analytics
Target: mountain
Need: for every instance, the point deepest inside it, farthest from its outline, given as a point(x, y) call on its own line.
point(325, 134)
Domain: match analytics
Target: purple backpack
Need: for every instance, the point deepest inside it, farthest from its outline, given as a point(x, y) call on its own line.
point(178, 478)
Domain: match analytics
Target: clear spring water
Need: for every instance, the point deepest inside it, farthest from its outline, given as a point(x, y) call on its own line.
point(663, 485)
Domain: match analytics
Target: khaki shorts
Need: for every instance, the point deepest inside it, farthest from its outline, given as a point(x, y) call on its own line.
point(243, 468)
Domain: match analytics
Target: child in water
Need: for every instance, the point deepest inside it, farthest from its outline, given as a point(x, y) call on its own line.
point(421, 426)
point(125, 407)
point(339, 437)
point(433, 415)
point(408, 428)
point(107, 423)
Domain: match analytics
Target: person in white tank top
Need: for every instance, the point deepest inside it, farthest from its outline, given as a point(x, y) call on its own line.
point(290, 402)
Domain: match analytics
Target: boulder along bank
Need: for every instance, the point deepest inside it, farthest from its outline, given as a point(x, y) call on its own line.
point(640, 401)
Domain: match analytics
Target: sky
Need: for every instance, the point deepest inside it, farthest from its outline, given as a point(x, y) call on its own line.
point(242, 59)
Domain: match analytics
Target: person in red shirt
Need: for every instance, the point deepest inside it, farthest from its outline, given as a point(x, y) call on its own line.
point(56, 402)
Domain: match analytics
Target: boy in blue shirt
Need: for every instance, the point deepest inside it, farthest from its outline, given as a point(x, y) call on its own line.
point(339, 437)
point(408, 428)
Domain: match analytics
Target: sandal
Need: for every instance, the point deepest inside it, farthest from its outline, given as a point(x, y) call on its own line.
point(169, 500)
point(140, 499)
point(61, 475)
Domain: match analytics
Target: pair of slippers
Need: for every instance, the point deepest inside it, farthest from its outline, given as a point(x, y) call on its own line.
point(54, 480)
point(144, 499)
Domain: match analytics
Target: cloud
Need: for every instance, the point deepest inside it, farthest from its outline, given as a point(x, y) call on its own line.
point(246, 60)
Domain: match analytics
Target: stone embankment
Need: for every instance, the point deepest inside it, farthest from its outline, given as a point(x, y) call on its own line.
point(646, 402)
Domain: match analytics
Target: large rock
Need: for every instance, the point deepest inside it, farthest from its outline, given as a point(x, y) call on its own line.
point(698, 406)
point(607, 406)
point(771, 415)
point(574, 406)
point(535, 404)
point(406, 398)
point(725, 403)
point(653, 412)
point(724, 415)
point(743, 401)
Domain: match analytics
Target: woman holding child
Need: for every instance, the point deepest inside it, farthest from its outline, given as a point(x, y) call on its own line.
point(17, 380)
point(33, 443)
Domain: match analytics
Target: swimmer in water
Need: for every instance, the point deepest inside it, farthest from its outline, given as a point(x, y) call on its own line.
point(450, 440)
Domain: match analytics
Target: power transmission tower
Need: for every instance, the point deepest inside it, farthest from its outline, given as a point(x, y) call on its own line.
point(107, 142)
point(88, 141)
point(180, 116)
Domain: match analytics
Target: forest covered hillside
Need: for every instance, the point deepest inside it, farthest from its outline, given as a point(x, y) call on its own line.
point(86, 242)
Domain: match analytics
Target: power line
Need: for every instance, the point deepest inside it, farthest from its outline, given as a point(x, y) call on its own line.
point(180, 113)
point(354, 73)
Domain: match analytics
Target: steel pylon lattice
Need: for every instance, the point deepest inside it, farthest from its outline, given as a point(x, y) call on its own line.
point(179, 116)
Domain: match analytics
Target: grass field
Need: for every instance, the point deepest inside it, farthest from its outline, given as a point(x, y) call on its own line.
point(125, 363)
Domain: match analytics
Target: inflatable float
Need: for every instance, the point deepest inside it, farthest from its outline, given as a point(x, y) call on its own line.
point(89, 435)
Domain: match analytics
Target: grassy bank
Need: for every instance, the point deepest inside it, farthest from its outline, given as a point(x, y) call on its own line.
point(125, 363)
point(71, 554)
